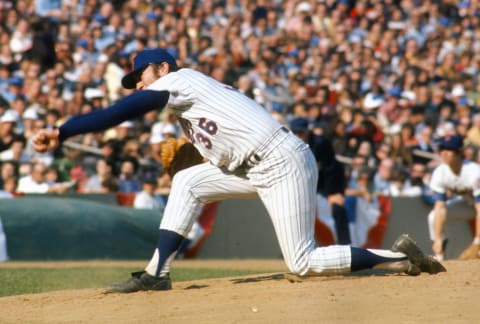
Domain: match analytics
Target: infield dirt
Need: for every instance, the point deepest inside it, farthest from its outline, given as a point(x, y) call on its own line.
point(366, 297)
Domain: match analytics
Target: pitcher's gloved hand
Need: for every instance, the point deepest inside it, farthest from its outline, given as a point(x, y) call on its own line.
point(178, 154)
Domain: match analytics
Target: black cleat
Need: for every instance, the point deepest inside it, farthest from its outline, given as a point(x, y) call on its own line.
point(413, 270)
point(141, 281)
point(425, 263)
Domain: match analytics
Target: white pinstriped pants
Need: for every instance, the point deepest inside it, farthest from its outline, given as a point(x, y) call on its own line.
point(285, 179)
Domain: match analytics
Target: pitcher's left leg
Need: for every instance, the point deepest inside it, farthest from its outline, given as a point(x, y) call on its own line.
point(191, 189)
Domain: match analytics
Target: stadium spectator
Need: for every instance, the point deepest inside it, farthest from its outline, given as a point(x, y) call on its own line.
point(37, 182)
point(400, 152)
point(147, 197)
point(16, 152)
point(473, 134)
point(358, 162)
point(95, 182)
point(382, 178)
point(128, 179)
point(8, 170)
point(22, 38)
point(402, 186)
point(423, 151)
point(14, 89)
point(7, 130)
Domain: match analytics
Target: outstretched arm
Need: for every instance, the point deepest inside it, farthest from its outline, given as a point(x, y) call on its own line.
point(129, 107)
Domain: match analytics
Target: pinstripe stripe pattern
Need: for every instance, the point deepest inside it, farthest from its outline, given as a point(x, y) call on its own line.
point(285, 180)
point(284, 176)
point(195, 186)
point(243, 125)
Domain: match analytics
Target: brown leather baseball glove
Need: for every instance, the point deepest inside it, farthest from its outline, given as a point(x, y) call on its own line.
point(470, 253)
point(178, 154)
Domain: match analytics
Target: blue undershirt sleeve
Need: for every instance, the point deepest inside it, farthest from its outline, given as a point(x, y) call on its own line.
point(129, 107)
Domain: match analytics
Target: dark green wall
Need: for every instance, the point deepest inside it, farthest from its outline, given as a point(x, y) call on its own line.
point(45, 228)
point(69, 228)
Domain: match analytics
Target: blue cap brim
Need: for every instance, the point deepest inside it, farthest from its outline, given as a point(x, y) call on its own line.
point(129, 81)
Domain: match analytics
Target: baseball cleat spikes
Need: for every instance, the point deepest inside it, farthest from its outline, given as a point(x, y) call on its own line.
point(141, 281)
point(409, 247)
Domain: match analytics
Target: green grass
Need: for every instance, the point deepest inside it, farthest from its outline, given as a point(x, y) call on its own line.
point(16, 281)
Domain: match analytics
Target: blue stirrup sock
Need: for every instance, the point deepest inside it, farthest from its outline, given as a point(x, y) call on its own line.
point(367, 259)
point(167, 246)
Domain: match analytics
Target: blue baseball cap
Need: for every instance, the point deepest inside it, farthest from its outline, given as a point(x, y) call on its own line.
point(142, 60)
point(98, 17)
point(395, 91)
point(152, 15)
point(82, 43)
point(149, 177)
point(451, 142)
point(444, 21)
point(299, 124)
point(15, 81)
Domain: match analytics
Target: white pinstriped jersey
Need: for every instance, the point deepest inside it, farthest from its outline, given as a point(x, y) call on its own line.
point(466, 184)
point(225, 126)
point(228, 128)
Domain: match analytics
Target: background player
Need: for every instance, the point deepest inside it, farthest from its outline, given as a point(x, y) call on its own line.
point(250, 155)
point(461, 181)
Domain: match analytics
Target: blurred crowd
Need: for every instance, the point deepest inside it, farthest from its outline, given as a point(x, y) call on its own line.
point(383, 80)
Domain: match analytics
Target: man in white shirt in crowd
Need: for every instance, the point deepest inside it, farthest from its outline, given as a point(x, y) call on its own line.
point(36, 182)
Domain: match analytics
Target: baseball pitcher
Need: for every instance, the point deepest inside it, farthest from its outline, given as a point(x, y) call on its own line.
point(249, 154)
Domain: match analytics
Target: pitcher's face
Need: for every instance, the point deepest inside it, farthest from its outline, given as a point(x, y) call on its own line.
point(150, 74)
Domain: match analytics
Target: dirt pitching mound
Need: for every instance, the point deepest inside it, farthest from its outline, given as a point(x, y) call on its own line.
point(268, 298)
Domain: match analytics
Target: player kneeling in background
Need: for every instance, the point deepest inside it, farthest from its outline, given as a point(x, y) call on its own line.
point(249, 155)
point(461, 180)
